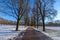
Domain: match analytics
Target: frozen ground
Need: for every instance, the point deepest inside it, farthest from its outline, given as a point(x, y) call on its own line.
point(54, 32)
point(7, 31)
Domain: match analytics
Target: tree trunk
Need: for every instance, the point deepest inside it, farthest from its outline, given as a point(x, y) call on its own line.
point(18, 22)
point(43, 24)
point(37, 20)
point(17, 25)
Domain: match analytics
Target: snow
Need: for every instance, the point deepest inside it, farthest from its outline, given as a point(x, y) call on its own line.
point(7, 31)
point(53, 32)
point(53, 28)
point(42, 32)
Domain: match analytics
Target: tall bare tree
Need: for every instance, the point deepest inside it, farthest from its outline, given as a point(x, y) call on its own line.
point(45, 9)
point(14, 8)
point(34, 17)
point(26, 15)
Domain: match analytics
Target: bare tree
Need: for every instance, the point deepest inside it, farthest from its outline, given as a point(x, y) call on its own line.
point(14, 8)
point(26, 15)
point(45, 9)
point(34, 17)
point(26, 20)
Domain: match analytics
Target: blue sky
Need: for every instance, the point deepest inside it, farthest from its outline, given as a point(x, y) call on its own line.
point(11, 18)
point(56, 6)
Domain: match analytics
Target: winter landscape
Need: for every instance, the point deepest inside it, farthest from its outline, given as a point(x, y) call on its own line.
point(8, 31)
point(35, 19)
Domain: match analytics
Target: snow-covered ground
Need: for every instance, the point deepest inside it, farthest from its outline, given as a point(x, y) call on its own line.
point(54, 32)
point(7, 31)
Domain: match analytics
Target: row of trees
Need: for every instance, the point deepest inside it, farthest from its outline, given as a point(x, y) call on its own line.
point(19, 9)
point(44, 9)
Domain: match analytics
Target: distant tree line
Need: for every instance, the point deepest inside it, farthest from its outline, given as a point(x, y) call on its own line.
point(28, 23)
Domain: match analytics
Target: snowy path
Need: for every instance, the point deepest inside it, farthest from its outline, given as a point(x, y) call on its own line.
point(32, 34)
point(7, 32)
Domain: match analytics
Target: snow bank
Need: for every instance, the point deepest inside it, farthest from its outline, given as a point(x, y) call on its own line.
point(42, 32)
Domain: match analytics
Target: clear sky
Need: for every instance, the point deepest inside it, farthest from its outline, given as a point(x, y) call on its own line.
point(56, 6)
